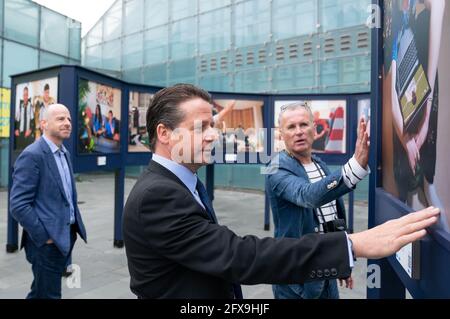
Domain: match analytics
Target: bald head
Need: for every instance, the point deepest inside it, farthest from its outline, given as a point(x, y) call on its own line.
point(57, 123)
point(51, 109)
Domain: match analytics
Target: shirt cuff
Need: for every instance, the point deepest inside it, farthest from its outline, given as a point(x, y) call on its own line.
point(353, 173)
point(350, 252)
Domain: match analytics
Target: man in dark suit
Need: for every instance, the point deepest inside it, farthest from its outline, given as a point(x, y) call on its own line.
point(44, 201)
point(174, 245)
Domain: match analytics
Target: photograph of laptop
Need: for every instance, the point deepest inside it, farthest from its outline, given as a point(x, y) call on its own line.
point(412, 84)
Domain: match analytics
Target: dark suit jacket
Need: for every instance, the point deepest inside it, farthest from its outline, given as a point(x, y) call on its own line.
point(175, 251)
point(38, 201)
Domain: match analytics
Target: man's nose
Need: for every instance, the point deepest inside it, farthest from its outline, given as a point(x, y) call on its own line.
point(298, 130)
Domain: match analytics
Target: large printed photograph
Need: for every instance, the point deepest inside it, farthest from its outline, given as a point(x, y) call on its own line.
point(416, 112)
point(239, 124)
point(98, 118)
point(138, 140)
point(32, 98)
point(329, 121)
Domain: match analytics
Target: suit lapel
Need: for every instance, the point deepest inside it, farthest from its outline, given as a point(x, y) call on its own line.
point(161, 170)
point(51, 164)
point(72, 178)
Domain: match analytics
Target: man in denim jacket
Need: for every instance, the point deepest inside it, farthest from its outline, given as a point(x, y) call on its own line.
point(306, 197)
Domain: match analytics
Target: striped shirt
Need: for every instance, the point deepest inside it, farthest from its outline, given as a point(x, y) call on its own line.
point(327, 212)
point(352, 173)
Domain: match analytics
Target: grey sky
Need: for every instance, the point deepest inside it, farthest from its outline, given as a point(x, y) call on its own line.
point(86, 11)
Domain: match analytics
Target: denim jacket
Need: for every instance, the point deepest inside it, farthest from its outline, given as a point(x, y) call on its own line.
point(293, 199)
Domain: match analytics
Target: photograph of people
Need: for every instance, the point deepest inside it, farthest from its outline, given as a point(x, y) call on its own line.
point(111, 127)
point(41, 103)
point(99, 121)
point(414, 33)
point(240, 123)
point(99, 118)
point(137, 131)
point(24, 124)
point(32, 98)
point(329, 122)
point(322, 132)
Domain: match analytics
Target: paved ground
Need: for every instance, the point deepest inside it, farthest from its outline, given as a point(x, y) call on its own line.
point(104, 272)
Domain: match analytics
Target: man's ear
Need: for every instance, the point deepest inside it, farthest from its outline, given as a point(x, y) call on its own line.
point(163, 134)
point(43, 124)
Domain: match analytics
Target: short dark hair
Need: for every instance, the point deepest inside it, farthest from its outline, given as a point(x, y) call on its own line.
point(164, 108)
point(46, 87)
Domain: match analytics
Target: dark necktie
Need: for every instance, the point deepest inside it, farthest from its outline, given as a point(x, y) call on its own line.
point(210, 210)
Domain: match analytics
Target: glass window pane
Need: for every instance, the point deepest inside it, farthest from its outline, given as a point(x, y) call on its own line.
point(155, 45)
point(183, 38)
point(73, 62)
point(83, 49)
point(111, 55)
point(132, 51)
point(252, 81)
point(289, 77)
point(182, 71)
point(54, 32)
point(74, 40)
point(349, 70)
point(156, 12)
point(343, 13)
point(133, 15)
point(93, 56)
point(1, 16)
point(206, 5)
point(329, 72)
point(252, 24)
point(214, 33)
point(156, 74)
point(94, 36)
point(113, 22)
point(293, 18)
point(133, 75)
point(215, 82)
point(48, 59)
point(16, 59)
point(183, 8)
point(21, 21)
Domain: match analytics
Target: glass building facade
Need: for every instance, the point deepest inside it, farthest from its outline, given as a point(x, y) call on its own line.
point(276, 46)
point(31, 37)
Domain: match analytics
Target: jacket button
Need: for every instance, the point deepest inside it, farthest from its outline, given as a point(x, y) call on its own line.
point(334, 272)
point(327, 273)
point(316, 229)
point(312, 274)
point(319, 274)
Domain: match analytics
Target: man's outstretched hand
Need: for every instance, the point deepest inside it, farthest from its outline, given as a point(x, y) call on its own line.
point(362, 145)
point(388, 238)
